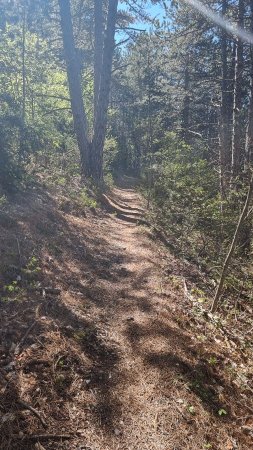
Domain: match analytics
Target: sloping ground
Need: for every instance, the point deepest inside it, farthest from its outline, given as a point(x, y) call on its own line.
point(106, 339)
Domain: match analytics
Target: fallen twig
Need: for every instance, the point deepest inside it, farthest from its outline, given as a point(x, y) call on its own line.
point(21, 342)
point(182, 414)
point(38, 446)
point(45, 290)
point(44, 437)
point(33, 410)
point(19, 253)
point(186, 292)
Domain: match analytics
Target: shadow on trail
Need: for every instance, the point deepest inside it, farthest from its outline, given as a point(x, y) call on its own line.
point(77, 256)
point(102, 373)
point(87, 257)
point(124, 206)
point(180, 362)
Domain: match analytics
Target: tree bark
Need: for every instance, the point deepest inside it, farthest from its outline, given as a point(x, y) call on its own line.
point(98, 49)
point(23, 107)
point(75, 89)
point(237, 148)
point(249, 131)
point(103, 97)
point(245, 234)
point(186, 103)
point(225, 131)
point(23, 64)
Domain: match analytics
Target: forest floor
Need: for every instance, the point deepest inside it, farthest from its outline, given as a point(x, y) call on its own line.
point(106, 337)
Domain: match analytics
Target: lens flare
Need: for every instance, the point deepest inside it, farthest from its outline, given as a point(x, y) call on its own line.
point(221, 21)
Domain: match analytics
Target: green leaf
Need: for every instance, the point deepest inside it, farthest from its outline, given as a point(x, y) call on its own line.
point(222, 412)
point(191, 409)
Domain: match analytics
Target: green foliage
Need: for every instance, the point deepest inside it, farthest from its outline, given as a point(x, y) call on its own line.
point(222, 412)
point(184, 191)
point(111, 155)
point(86, 200)
point(108, 180)
point(12, 287)
point(82, 198)
point(34, 114)
point(212, 360)
point(3, 200)
point(183, 187)
point(32, 265)
point(191, 410)
point(28, 276)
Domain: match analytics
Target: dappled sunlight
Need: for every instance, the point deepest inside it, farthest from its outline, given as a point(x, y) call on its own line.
point(126, 233)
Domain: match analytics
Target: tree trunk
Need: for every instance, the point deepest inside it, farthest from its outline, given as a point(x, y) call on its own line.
point(98, 49)
point(245, 234)
point(186, 103)
point(237, 148)
point(22, 145)
point(104, 91)
point(75, 89)
point(150, 121)
point(23, 65)
point(249, 132)
point(225, 111)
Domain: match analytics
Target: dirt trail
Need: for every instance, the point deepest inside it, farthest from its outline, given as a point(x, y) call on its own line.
point(139, 389)
point(147, 388)
point(115, 359)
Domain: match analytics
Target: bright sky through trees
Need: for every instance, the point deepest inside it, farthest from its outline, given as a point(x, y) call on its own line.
point(155, 11)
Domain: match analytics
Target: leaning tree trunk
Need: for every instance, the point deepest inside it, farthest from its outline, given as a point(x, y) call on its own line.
point(104, 92)
point(75, 89)
point(237, 148)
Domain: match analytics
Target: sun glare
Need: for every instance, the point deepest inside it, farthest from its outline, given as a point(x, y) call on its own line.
point(224, 23)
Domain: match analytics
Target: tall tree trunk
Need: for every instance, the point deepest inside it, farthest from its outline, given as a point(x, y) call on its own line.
point(150, 121)
point(23, 64)
point(245, 234)
point(225, 111)
point(104, 91)
point(186, 103)
point(22, 145)
point(98, 49)
point(75, 89)
point(237, 148)
point(249, 131)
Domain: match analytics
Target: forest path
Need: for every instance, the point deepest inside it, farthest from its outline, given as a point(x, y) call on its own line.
point(139, 388)
point(143, 379)
point(122, 358)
